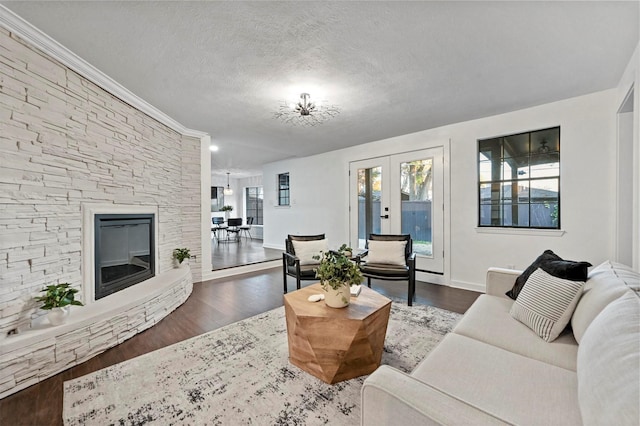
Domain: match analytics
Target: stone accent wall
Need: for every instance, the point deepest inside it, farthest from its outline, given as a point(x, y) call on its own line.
point(50, 354)
point(65, 141)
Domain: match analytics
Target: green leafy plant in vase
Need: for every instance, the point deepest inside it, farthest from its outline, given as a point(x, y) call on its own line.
point(226, 209)
point(337, 273)
point(57, 299)
point(181, 254)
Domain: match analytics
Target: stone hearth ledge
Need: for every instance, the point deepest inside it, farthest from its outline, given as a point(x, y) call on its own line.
point(45, 350)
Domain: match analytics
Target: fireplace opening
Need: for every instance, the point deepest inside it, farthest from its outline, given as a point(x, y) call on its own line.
point(124, 251)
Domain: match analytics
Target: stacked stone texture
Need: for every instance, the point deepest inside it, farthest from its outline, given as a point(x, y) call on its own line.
point(33, 363)
point(63, 142)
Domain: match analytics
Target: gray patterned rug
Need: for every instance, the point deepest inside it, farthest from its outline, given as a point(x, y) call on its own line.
point(239, 374)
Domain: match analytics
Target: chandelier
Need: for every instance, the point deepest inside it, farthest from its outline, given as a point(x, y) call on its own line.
point(306, 112)
point(228, 190)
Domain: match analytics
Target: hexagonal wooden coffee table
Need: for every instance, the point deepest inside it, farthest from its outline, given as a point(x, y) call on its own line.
point(336, 344)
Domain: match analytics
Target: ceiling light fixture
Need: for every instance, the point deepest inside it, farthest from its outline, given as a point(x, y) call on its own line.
point(228, 190)
point(213, 148)
point(306, 112)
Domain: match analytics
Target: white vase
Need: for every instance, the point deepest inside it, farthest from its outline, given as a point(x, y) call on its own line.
point(58, 316)
point(338, 298)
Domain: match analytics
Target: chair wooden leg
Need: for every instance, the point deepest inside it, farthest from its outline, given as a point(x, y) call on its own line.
point(298, 282)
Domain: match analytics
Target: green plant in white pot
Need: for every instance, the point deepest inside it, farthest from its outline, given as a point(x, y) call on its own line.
point(57, 299)
point(227, 210)
point(337, 274)
point(181, 254)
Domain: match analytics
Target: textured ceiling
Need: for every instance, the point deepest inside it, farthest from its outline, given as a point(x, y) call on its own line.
point(392, 67)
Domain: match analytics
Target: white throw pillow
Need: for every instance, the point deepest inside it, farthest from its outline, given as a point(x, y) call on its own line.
point(387, 252)
point(305, 250)
point(546, 303)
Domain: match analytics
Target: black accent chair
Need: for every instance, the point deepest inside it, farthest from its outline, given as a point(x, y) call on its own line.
point(234, 228)
point(389, 272)
point(291, 263)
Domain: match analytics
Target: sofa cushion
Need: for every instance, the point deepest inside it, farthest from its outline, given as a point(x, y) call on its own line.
point(513, 388)
point(607, 282)
point(546, 304)
point(305, 250)
point(554, 265)
point(609, 365)
point(488, 320)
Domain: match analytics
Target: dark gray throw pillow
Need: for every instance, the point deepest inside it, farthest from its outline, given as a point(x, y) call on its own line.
point(554, 265)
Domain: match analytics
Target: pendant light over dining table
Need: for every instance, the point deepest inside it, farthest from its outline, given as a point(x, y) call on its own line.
point(228, 190)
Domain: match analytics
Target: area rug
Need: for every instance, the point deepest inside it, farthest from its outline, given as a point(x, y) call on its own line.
point(240, 375)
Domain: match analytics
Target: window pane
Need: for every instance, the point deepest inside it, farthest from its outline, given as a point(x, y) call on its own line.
point(369, 192)
point(545, 141)
point(516, 168)
point(544, 215)
point(545, 165)
point(544, 190)
point(516, 215)
point(416, 188)
point(516, 145)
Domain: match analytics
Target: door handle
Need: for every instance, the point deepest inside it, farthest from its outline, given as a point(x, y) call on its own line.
point(386, 216)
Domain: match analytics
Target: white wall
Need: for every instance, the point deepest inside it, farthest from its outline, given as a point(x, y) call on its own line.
point(630, 79)
point(319, 188)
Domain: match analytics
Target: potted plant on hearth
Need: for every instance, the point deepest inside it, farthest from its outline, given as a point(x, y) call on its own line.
point(57, 300)
point(181, 254)
point(337, 273)
point(227, 210)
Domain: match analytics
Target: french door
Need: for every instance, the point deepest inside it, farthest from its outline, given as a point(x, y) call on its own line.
point(401, 194)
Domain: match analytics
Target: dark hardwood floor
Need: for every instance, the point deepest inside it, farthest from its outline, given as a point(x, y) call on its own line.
point(228, 254)
point(213, 304)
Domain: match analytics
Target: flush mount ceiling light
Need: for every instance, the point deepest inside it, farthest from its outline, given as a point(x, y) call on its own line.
point(228, 190)
point(306, 112)
point(213, 148)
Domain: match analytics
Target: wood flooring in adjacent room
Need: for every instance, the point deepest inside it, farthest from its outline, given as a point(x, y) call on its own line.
point(212, 304)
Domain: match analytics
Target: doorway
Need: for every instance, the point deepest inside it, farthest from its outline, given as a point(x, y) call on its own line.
point(401, 194)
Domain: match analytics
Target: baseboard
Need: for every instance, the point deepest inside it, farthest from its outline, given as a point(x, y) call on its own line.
point(239, 270)
point(273, 246)
point(468, 286)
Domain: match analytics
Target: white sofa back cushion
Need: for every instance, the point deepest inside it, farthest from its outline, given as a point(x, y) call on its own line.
point(606, 283)
point(305, 250)
point(609, 365)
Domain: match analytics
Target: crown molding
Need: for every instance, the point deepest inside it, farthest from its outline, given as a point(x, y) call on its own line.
point(38, 39)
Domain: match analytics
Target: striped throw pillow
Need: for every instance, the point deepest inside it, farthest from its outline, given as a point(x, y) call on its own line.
point(546, 304)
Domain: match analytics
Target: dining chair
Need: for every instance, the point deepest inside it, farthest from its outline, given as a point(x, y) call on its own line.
point(246, 229)
point(234, 225)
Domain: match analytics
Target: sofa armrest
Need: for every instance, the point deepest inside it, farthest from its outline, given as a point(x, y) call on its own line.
point(500, 280)
point(390, 396)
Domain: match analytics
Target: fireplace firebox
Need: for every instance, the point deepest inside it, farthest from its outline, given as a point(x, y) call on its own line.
point(124, 251)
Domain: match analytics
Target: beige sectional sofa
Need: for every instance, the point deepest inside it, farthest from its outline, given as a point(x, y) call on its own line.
point(492, 369)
